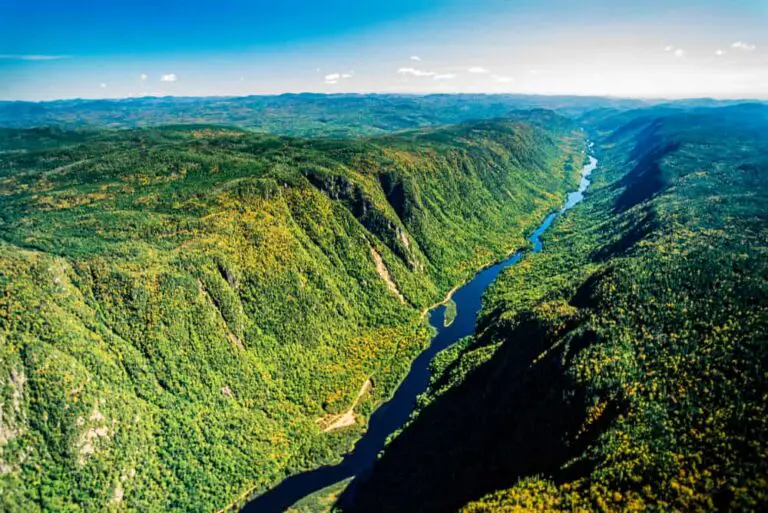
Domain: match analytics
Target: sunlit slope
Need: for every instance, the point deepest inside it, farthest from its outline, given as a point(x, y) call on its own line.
point(622, 368)
point(183, 310)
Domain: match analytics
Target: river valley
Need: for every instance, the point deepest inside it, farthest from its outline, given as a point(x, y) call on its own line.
point(393, 414)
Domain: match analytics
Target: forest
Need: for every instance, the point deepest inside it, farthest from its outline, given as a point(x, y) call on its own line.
point(198, 294)
point(185, 310)
point(622, 368)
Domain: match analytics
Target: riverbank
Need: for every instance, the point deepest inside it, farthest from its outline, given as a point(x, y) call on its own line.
point(347, 418)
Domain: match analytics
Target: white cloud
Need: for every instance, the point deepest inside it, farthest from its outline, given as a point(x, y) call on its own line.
point(477, 69)
point(719, 53)
point(444, 76)
point(143, 76)
point(503, 80)
point(33, 57)
point(334, 78)
point(170, 77)
point(741, 45)
point(415, 58)
point(416, 72)
point(677, 52)
point(103, 85)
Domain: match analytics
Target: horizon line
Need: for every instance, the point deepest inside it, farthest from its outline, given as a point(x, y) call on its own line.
point(400, 93)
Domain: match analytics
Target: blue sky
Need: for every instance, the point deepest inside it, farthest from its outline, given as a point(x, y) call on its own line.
point(671, 48)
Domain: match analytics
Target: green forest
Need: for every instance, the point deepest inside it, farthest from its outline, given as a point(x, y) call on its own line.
point(623, 368)
point(186, 310)
point(200, 297)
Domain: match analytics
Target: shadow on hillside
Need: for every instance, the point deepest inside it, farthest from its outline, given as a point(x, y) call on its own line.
point(628, 238)
point(645, 178)
point(513, 416)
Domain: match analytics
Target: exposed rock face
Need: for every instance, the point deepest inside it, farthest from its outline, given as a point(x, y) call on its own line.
point(11, 419)
point(383, 272)
point(89, 440)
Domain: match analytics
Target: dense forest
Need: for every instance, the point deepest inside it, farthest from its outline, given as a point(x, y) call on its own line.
point(196, 297)
point(624, 367)
point(185, 311)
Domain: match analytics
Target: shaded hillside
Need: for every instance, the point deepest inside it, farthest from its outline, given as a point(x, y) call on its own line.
point(622, 368)
point(184, 310)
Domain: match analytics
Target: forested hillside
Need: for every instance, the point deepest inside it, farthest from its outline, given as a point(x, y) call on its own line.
point(184, 311)
point(624, 367)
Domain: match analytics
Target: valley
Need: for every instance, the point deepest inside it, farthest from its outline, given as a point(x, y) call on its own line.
point(395, 412)
point(411, 256)
point(203, 317)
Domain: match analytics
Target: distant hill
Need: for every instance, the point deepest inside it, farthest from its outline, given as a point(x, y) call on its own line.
point(340, 115)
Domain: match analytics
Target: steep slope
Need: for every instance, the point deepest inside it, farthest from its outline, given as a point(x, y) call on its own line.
point(623, 368)
point(184, 310)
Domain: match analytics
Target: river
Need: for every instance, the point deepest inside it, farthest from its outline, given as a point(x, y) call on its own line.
point(392, 415)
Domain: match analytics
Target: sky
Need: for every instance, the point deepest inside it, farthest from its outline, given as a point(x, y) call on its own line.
point(55, 49)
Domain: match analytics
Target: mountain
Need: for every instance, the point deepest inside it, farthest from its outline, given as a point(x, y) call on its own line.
point(185, 312)
point(623, 367)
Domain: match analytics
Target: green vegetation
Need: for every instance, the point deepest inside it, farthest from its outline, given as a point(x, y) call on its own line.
point(624, 367)
point(185, 309)
point(321, 501)
point(450, 312)
point(182, 309)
